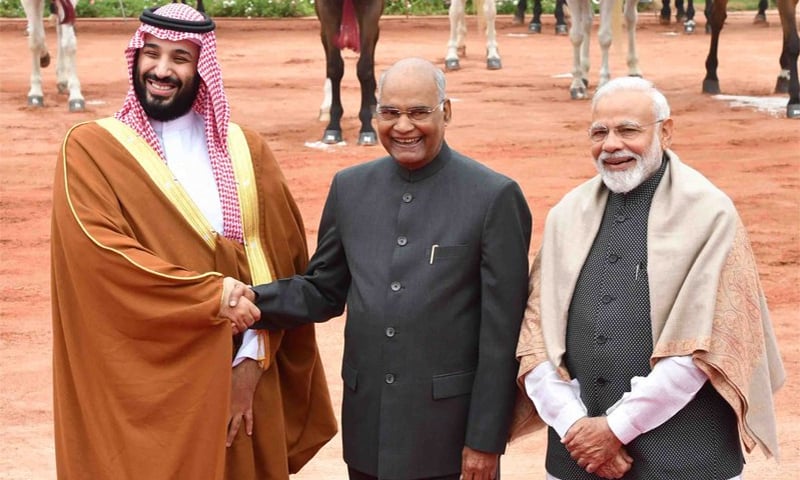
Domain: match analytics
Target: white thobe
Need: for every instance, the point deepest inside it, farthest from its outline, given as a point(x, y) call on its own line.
point(183, 141)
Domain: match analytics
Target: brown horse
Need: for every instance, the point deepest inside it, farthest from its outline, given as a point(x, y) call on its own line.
point(787, 80)
point(349, 24)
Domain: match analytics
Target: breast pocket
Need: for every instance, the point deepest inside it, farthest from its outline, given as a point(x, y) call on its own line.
point(444, 253)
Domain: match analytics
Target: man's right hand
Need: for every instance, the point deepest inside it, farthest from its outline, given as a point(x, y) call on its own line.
point(617, 466)
point(237, 305)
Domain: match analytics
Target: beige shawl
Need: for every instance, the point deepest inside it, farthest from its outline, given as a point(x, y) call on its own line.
point(705, 296)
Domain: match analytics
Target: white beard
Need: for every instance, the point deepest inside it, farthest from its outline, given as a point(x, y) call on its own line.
point(624, 181)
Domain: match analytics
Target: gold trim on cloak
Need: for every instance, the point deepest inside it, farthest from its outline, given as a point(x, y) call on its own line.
point(159, 172)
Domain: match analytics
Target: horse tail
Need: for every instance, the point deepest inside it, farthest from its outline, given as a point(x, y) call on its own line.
point(481, 15)
point(67, 11)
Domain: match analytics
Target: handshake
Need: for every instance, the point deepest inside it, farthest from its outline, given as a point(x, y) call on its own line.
point(237, 305)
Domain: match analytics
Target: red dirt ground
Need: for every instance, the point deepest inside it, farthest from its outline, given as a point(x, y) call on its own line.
point(518, 120)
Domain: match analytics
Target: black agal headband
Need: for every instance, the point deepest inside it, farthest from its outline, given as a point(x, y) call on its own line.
point(150, 17)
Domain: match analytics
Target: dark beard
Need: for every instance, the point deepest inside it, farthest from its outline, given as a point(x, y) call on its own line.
point(169, 110)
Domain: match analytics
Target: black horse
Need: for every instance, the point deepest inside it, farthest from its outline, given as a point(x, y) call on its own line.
point(787, 80)
point(350, 24)
point(536, 22)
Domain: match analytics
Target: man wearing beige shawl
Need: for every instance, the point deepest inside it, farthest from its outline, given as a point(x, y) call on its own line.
point(647, 346)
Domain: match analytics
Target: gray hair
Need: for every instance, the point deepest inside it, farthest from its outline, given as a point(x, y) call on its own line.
point(438, 74)
point(635, 84)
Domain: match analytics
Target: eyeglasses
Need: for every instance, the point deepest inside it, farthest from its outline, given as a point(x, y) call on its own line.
point(625, 131)
point(415, 114)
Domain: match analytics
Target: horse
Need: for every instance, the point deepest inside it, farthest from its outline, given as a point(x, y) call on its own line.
point(66, 76)
point(349, 24)
point(487, 12)
point(787, 81)
point(581, 11)
point(687, 16)
point(536, 22)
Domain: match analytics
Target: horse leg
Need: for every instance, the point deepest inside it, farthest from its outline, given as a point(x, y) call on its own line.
point(717, 21)
point(519, 14)
point(329, 20)
point(334, 72)
point(457, 33)
point(536, 21)
point(493, 61)
point(561, 23)
point(66, 72)
point(39, 54)
point(605, 33)
point(631, 16)
point(690, 25)
point(680, 13)
point(707, 11)
point(788, 80)
point(369, 14)
point(666, 13)
point(761, 16)
point(579, 36)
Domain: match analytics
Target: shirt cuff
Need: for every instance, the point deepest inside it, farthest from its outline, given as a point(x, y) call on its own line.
point(250, 348)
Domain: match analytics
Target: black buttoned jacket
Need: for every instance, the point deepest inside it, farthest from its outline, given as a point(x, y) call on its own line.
point(433, 267)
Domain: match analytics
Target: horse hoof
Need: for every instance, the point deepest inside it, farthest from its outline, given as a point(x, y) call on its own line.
point(760, 19)
point(332, 137)
point(77, 105)
point(451, 64)
point(577, 93)
point(689, 26)
point(461, 51)
point(680, 17)
point(711, 86)
point(494, 64)
point(793, 110)
point(561, 29)
point(535, 27)
point(36, 101)
point(518, 19)
point(367, 139)
point(663, 20)
point(44, 60)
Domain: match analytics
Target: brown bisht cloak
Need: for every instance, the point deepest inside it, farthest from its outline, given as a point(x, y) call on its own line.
point(141, 361)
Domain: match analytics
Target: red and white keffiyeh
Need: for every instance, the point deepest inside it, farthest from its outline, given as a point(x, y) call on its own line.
point(211, 103)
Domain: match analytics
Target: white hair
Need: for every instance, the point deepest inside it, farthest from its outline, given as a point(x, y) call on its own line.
point(635, 84)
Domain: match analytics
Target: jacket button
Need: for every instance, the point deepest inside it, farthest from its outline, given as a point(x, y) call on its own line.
point(395, 286)
point(607, 299)
point(613, 258)
point(601, 381)
point(602, 339)
point(389, 378)
point(620, 218)
point(390, 332)
point(402, 240)
point(407, 197)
